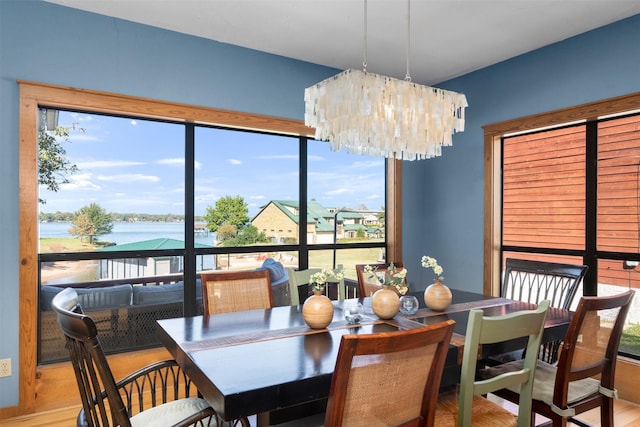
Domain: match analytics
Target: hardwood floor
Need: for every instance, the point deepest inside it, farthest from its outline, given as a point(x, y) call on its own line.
point(626, 415)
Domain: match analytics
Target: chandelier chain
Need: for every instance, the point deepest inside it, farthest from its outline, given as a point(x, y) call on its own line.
point(408, 76)
point(364, 60)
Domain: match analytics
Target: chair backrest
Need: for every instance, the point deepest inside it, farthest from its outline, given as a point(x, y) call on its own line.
point(227, 291)
point(534, 281)
point(89, 363)
point(298, 278)
point(388, 378)
point(299, 292)
point(590, 347)
point(367, 284)
point(486, 330)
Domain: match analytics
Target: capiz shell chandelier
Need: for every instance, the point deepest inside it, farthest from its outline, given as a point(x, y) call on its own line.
point(371, 114)
point(375, 115)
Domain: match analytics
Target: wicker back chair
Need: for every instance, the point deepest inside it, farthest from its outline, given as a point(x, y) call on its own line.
point(368, 285)
point(388, 378)
point(583, 378)
point(160, 391)
point(228, 291)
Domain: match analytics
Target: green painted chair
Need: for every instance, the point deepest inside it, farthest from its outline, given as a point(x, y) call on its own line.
point(299, 278)
point(486, 330)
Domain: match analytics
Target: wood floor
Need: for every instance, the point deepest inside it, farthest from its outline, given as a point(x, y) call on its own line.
point(626, 415)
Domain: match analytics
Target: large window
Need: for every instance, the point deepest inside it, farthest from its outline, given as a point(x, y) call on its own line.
point(34, 96)
point(570, 193)
point(145, 205)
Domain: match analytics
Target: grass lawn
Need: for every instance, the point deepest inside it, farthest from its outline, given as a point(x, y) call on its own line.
point(64, 244)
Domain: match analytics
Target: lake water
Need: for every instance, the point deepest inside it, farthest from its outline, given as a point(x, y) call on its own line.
point(129, 232)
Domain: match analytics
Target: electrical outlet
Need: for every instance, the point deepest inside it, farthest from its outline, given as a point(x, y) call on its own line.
point(5, 368)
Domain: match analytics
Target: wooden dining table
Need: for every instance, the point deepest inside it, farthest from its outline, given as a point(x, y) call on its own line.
point(264, 361)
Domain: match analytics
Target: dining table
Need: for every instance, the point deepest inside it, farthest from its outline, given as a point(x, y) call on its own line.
point(268, 361)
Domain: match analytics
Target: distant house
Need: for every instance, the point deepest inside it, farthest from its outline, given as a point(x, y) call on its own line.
point(279, 220)
point(122, 268)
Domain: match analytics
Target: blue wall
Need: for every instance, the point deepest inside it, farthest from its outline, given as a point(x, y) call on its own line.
point(443, 198)
point(43, 42)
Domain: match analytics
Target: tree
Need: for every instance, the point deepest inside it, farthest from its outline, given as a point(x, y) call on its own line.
point(249, 235)
point(226, 232)
point(228, 210)
point(97, 216)
point(53, 166)
point(360, 233)
point(82, 226)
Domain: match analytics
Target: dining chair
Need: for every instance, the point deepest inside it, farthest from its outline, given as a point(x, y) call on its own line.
point(386, 379)
point(228, 291)
point(368, 285)
point(583, 378)
point(158, 394)
point(299, 279)
point(467, 408)
point(533, 281)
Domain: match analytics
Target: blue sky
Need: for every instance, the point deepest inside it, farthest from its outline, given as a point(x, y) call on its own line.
point(137, 166)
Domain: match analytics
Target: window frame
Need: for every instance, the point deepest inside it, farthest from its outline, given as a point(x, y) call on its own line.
point(493, 134)
point(38, 95)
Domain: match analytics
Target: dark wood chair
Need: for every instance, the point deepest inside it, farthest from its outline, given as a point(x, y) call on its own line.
point(583, 378)
point(468, 408)
point(228, 291)
point(158, 393)
point(386, 379)
point(392, 376)
point(368, 285)
point(534, 281)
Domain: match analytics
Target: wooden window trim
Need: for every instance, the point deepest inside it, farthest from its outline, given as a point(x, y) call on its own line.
point(493, 134)
point(33, 95)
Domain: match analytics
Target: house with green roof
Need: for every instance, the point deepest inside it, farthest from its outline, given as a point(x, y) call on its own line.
point(279, 220)
point(121, 268)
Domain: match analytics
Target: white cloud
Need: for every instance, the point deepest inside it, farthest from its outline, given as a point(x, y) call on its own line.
point(177, 161)
point(133, 122)
point(173, 161)
point(129, 178)
point(107, 164)
point(234, 161)
point(367, 164)
point(337, 191)
point(80, 182)
point(260, 197)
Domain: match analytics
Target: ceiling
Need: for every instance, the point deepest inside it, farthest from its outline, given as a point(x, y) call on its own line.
point(448, 38)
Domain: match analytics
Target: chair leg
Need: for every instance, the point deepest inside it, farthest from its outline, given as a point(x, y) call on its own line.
point(606, 412)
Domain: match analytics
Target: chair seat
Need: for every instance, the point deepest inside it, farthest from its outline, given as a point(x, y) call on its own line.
point(545, 378)
point(170, 413)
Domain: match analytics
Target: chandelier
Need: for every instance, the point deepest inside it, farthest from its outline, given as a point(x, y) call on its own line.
point(374, 115)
